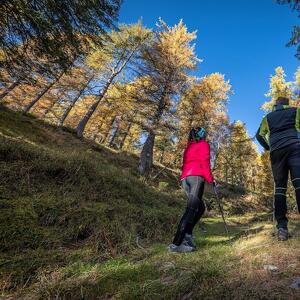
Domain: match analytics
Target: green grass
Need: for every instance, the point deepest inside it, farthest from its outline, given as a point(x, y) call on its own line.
point(59, 194)
point(213, 272)
point(70, 213)
point(148, 274)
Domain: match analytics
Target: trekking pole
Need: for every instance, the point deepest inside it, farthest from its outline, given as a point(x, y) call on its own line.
point(221, 209)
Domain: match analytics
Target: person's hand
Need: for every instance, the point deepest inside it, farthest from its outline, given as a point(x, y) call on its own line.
point(216, 184)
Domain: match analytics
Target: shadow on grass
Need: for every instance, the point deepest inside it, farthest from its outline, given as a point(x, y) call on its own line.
point(115, 278)
point(215, 233)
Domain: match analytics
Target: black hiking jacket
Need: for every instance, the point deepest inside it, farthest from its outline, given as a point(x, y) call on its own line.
point(279, 128)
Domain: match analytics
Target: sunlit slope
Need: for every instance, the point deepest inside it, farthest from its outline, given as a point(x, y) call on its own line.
point(69, 205)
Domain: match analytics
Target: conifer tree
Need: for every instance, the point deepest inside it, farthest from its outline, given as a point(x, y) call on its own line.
point(165, 68)
point(295, 38)
point(279, 87)
point(296, 87)
point(238, 160)
point(57, 30)
point(120, 48)
point(204, 104)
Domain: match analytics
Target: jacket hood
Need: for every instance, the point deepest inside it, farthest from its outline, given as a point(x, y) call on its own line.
point(280, 107)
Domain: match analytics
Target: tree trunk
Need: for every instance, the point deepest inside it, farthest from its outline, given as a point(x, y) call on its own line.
point(240, 171)
point(232, 175)
point(28, 107)
point(9, 89)
point(73, 102)
point(82, 124)
point(106, 134)
point(146, 159)
point(51, 106)
point(112, 139)
point(125, 136)
point(161, 158)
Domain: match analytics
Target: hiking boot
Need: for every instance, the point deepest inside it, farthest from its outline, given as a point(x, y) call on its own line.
point(283, 234)
point(189, 240)
point(181, 248)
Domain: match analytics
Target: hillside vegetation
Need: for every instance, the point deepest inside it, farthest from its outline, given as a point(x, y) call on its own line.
point(78, 222)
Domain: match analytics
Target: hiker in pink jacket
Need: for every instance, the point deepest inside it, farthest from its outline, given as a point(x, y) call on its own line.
point(195, 171)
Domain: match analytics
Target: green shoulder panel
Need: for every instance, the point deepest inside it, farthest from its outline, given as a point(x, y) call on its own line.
point(298, 119)
point(264, 130)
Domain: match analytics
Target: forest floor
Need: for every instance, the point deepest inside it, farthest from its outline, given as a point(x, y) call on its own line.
point(71, 211)
point(250, 264)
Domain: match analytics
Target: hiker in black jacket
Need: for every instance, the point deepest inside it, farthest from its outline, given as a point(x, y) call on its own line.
point(279, 133)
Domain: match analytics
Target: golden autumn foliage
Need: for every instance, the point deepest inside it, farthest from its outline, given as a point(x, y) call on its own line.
point(109, 61)
point(297, 87)
point(279, 87)
point(203, 104)
point(238, 161)
point(166, 64)
point(136, 93)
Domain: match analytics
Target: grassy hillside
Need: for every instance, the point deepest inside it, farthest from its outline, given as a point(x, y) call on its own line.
point(220, 269)
point(59, 193)
point(77, 222)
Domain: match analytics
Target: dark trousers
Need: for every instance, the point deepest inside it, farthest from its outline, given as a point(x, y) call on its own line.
point(194, 187)
point(285, 161)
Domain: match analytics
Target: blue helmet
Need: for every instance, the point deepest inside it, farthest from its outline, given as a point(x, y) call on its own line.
point(198, 133)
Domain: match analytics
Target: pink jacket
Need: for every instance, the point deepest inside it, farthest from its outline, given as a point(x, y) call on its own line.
point(196, 161)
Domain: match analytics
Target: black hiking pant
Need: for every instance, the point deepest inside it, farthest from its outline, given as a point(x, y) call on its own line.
point(194, 187)
point(284, 161)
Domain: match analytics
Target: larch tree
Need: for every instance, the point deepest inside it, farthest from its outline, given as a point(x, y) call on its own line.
point(120, 48)
point(164, 149)
point(37, 72)
point(59, 101)
point(266, 178)
point(78, 110)
point(7, 84)
point(49, 83)
point(70, 102)
point(238, 158)
point(296, 87)
point(165, 68)
point(122, 110)
point(127, 103)
point(125, 130)
point(204, 104)
point(279, 87)
point(20, 95)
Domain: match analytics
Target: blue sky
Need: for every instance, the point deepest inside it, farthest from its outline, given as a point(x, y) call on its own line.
point(243, 39)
